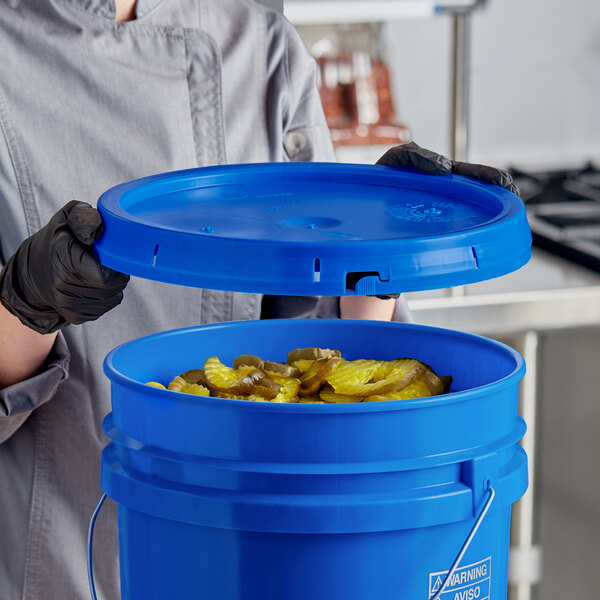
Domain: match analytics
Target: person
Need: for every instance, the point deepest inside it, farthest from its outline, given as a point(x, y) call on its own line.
point(94, 93)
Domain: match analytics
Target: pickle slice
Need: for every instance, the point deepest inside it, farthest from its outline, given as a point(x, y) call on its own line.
point(248, 397)
point(369, 377)
point(230, 396)
point(289, 391)
point(275, 385)
point(156, 385)
point(331, 396)
point(350, 374)
point(248, 360)
point(196, 390)
point(179, 384)
point(435, 384)
point(257, 398)
point(264, 392)
point(316, 376)
point(225, 379)
point(251, 372)
point(417, 389)
point(267, 388)
point(195, 376)
point(255, 375)
point(311, 354)
point(447, 383)
point(281, 369)
point(308, 399)
point(303, 364)
point(278, 377)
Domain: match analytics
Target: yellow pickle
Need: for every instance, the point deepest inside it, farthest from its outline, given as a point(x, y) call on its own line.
point(311, 376)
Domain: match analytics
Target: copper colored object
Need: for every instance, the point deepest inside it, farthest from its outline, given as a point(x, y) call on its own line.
point(355, 89)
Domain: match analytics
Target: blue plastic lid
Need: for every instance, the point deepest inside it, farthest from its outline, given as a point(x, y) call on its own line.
point(312, 229)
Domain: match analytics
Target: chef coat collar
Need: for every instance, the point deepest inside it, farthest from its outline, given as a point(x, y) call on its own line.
point(106, 8)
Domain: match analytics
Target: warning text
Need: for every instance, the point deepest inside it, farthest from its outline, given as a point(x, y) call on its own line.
point(471, 582)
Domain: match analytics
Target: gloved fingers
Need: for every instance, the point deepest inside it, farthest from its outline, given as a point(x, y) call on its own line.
point(413, 156)
point(84, 221)
point(90, 310)
point(514, 189)
point(78, 264)
point(96, 276)
point(80, 292)
point(78, 302)
point(485, 173)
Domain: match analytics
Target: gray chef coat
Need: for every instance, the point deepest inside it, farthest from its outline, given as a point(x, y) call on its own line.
point(87, 103)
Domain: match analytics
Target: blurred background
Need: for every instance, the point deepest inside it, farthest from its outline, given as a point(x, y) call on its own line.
point(514, 84)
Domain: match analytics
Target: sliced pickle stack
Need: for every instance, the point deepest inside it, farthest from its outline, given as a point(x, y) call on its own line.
point(312, 376)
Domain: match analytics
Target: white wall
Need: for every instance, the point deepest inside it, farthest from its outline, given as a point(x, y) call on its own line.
point(535, 81)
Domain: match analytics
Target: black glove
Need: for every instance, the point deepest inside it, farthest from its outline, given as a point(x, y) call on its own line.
point(54, 279)
point(413, 156)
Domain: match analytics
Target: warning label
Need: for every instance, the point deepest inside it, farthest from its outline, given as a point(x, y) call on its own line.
point(467, 583)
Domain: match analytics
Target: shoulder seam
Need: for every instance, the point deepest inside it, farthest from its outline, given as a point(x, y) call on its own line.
point(286, 53)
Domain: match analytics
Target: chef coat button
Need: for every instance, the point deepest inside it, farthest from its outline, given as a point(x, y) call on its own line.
point(294, 143)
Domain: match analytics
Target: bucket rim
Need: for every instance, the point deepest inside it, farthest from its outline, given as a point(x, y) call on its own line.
point(295, 407)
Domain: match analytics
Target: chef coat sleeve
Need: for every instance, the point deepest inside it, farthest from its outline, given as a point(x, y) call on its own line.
point(19, 400)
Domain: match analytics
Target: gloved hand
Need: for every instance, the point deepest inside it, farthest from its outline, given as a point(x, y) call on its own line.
point(54, 279)
point(413, 156)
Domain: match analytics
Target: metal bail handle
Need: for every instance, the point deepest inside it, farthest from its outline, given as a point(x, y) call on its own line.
point(465, 546)
point(492, 493)
point(90, 566)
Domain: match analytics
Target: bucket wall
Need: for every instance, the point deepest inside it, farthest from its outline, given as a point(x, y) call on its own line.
point(392, 565)
point(237, 500)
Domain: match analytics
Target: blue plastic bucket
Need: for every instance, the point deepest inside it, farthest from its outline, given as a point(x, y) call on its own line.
point(230, 500)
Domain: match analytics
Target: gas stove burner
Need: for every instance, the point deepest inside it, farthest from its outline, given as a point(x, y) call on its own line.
point(556, 186)
point(585, 183)
point(529, 186)
point(563, 208)
point(591, 179)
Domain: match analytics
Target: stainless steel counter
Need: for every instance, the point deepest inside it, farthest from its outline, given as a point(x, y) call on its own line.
point(547, 293)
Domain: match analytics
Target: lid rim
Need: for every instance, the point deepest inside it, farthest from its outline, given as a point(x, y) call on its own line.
point(443, 252)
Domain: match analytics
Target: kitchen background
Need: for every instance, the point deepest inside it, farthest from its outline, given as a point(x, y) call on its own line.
point(533, 105)
point(535, 81)
point(534, 77)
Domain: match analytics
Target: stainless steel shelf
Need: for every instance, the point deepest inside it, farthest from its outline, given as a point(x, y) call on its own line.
point(313, 12)
point(549, 293)
point(512, 312)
